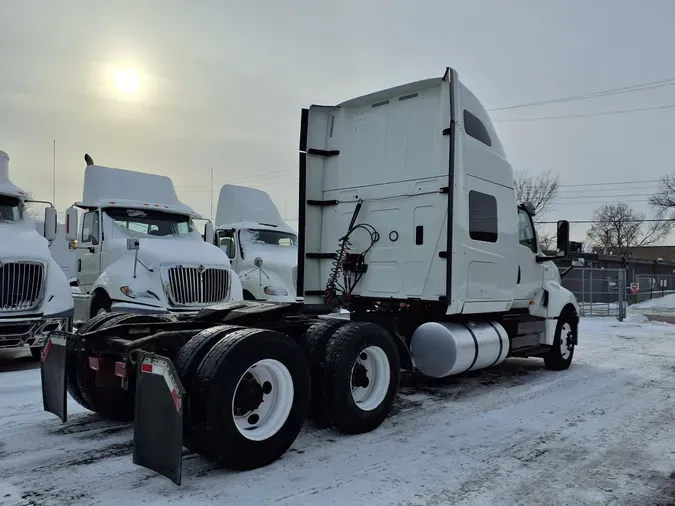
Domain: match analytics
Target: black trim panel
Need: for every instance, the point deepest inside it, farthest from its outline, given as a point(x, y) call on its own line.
point(323, 152)
point(302, 199)
point(451, 179)
point(323, 203)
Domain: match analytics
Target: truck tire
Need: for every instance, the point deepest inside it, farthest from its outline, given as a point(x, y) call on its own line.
point(187, 362)
point(560, 356)
point(262, 380)
point(72, 357)
point(112, 403)
point(313, 345)
point(362, 370)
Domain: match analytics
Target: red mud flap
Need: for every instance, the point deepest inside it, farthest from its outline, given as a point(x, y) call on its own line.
point(53, 374)
point(158, 419)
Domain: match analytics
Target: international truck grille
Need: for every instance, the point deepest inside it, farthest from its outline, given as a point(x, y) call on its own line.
point(198, 286)
point(21, 286)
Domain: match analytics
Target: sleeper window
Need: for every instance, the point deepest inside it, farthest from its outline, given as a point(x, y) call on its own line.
point(482, 217)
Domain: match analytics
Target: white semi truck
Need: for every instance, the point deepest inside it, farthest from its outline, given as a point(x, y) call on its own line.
point(262, 247)
point(61, 252)
point(34, 292)
point(138, 249)
point(408, 218)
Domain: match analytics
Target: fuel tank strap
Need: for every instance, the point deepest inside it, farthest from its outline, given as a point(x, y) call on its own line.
point(475, 342)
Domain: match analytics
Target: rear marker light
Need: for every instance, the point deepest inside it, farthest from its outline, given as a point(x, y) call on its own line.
point(158, 368)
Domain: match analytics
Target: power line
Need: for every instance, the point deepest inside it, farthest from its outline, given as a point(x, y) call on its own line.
point(613, 183)
point(587, 222)
point(614, 91)
point(570, 116)
point(565, 197)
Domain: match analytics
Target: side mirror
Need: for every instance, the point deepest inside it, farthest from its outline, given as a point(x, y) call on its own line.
point(563, 240)
point(258, 262)
point(132, 244)
point(71, 224)
point(209, 234)
point(50, 223)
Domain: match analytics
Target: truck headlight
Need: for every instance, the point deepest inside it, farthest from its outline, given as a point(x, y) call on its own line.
point(275, 290)
point(126, 290)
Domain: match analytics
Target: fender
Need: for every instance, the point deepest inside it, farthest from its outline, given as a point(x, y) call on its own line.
point(251, 282)
point(58, 297)
point(120, 273)
point(559, 298)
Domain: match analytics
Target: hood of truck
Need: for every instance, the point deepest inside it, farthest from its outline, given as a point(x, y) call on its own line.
point(154, 252)
point(18, 240)
point(277, 257)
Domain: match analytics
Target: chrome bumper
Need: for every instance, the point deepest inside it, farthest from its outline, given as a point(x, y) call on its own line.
point(30, 332)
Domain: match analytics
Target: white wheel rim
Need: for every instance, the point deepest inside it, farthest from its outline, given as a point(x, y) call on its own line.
point(378, 373)
point(267, 419)
point(565, 336)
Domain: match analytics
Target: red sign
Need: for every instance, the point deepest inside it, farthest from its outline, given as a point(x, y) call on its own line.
point(634, 288)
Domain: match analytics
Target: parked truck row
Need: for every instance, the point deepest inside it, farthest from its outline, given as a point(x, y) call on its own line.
point(34, 292)
point(408, 219)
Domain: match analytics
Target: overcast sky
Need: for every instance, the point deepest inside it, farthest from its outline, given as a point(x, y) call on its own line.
point(222, 83)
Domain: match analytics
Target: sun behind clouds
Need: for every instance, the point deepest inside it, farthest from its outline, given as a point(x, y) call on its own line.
point(126, 81)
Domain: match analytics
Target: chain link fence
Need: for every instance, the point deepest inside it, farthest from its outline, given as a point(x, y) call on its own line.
point(652, 287)
point(599, 292)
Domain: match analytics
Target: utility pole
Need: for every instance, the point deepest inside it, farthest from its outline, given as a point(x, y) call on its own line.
point(211, 196)
point(54, 174)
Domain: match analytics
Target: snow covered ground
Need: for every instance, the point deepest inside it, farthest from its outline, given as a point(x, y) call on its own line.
point(600, 433)
point(657, 306)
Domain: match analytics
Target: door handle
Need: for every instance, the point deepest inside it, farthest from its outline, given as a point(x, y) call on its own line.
point(518, 275)
point(79, 265)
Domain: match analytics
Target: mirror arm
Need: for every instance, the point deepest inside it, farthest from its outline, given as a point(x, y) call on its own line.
point(566, 271)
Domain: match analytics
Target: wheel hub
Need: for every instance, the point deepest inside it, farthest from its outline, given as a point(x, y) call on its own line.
point(249, 395)
point(360, 376)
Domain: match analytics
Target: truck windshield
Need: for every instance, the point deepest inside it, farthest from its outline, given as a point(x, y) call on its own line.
point(268, 237)
point(10, 209)
point(147, 222)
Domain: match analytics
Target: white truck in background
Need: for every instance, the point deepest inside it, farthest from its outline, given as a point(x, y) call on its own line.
point(61, 252)
point(262, 247)
point(34, 292)
point(138, 249)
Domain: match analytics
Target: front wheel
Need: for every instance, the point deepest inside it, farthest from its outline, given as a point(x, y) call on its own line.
point(560, 355)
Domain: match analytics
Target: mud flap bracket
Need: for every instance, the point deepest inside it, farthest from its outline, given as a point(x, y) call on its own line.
point(158, 418)
point(53, 367)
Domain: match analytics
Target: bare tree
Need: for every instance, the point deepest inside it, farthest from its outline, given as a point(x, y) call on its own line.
point(34, 209)
point(663, 201)
point(620, 227)
point(540, 190)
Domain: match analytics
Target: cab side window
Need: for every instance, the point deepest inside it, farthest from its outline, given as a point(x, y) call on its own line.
point(526, 235)
point(226, 243)
point(90, 228)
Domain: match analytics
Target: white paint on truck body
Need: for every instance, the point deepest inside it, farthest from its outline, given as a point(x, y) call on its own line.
point(34, 292)
point(62, 254)
point(173, 271)
point(249, 226)
point(435, 184)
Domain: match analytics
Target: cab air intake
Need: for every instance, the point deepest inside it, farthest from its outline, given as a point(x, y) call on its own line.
point(442, 349)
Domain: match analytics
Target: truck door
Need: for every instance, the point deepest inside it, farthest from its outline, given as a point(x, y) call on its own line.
point(530, 274)
point(89, 250)
point(225, 240)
